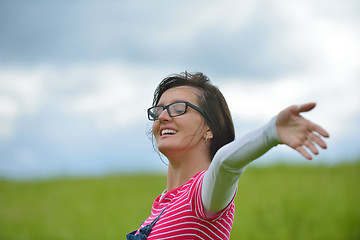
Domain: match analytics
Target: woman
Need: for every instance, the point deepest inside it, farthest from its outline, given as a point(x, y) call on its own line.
point(194, 130)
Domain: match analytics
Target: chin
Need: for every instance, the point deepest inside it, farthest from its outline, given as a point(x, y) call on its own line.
point(167, 147)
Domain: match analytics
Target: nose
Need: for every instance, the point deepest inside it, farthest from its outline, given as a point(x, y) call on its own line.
point(164, 116)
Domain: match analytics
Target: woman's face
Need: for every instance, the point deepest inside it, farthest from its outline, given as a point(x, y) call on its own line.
point(187, 131)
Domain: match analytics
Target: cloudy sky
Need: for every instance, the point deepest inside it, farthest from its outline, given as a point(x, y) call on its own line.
point(76, 77)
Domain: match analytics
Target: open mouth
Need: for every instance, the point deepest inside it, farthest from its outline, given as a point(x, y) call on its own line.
point(168, 132)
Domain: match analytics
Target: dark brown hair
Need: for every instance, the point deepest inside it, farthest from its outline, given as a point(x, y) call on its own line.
point(211, 100)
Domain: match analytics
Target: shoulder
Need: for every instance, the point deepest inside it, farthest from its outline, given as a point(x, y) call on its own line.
point(195, 182)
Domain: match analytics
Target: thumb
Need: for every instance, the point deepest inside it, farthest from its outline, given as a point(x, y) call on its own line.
point(306, 107)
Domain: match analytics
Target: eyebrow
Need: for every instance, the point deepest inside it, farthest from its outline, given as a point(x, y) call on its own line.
point(178, 100)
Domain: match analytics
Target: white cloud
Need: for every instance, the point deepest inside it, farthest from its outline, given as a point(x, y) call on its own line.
point(8, 112)
point(111, 95)
point(118, 98)
point(328, 47)
point(257, 102)
point(21, 93)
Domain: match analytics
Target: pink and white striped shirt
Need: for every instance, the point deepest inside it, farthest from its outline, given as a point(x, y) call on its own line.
point(214, 189)
point(184, 217)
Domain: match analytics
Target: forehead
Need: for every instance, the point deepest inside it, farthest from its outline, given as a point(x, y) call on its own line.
point(182, 93)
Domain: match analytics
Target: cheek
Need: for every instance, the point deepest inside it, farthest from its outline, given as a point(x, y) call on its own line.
point(195, 128)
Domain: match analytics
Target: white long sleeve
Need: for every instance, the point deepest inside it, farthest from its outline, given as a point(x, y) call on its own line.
point(221, 180)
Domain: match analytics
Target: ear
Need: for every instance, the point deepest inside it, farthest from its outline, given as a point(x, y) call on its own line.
point(208, 134)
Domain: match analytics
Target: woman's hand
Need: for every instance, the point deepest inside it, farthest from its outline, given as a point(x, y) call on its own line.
point(298, 132)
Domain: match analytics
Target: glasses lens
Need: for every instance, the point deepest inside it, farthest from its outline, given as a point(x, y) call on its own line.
point(177, 109)
point(154, 112)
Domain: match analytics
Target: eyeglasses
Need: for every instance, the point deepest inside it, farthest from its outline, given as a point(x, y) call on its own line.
point(173, 109)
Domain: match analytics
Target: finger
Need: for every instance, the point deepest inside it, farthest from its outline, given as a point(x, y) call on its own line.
point(310, 145)
point(317, 128)
point(315, 138)
point(303, 152)
point(306, 107)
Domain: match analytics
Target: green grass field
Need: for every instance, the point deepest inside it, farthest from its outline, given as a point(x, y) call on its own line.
point(279, 202)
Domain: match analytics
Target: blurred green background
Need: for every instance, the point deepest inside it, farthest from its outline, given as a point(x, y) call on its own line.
point(278, 202)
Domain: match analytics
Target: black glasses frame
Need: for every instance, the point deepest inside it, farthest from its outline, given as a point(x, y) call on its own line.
point(151, 116)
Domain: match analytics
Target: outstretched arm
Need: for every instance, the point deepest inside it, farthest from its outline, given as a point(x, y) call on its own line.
point(289, 127)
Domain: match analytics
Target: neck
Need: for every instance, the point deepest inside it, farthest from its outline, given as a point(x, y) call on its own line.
point(184, 166)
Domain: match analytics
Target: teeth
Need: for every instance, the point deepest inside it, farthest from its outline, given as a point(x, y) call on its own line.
point(168, 131)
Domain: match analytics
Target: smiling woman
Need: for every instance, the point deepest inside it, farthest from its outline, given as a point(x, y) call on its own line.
point(211, 102)
point(193, 128)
